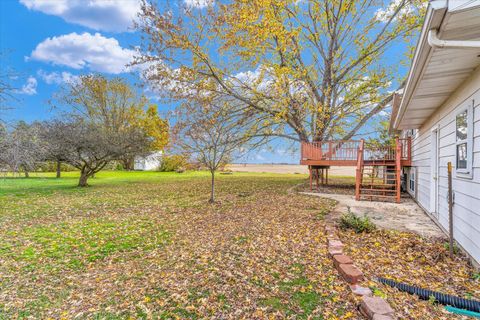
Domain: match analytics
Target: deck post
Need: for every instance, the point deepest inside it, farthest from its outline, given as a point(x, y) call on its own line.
point(409, 151)
point(358, 178)
point(310, 171)
point(316, 177)
point(326, 176)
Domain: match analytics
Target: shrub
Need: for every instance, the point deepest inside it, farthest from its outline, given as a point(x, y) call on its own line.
point(456, 249)
point(173, 163)
point(360, 224)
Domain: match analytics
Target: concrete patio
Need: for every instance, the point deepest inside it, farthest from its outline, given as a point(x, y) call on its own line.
point(404, 216)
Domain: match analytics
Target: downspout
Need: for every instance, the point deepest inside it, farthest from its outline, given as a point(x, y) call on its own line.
point(435, 42)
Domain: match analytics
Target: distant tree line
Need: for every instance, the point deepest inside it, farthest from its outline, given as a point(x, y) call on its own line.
point(105, 121)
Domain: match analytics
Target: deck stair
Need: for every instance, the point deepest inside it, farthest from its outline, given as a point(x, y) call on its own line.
point(377, 168)
point(378, 173)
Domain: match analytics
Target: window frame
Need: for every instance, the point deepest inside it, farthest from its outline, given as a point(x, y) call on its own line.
point(412, 179)
point(468, 171)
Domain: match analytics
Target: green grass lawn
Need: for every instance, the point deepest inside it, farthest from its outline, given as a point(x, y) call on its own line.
point(147, 245)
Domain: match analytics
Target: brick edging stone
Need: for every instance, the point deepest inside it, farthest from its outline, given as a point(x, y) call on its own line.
point(374, 308)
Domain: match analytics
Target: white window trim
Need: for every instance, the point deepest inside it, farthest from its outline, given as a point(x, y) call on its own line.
point(466, 173)
point(412, 173)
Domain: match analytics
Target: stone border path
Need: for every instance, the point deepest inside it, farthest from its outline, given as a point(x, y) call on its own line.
point(372, 307)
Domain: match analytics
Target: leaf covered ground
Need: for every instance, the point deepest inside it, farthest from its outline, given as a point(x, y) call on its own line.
point(411, 259)
point(149, 246)
point(133, 246)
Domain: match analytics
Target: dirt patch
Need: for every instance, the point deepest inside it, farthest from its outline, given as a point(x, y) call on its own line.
point(336, 185)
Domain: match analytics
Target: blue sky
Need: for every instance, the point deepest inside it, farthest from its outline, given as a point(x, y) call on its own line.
point(48, 43)
point(40, 72)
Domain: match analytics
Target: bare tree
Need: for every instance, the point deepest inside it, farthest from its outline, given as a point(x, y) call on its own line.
point(212, 134)
point(3, 147)
point(55, 147)
point(7, 89)
point(21, 148)
point(89, 147)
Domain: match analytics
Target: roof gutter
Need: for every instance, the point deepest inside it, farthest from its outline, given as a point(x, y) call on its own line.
point(435, 42)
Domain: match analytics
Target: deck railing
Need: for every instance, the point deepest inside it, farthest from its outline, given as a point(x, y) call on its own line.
point(379, 153)
point(330, 150)
point(406, 144)
point(347, 150)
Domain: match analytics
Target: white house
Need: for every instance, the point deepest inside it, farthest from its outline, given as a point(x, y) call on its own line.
point(440, 110)
point(149, 162)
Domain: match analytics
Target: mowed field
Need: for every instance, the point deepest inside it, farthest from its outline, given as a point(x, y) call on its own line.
point(287, 168)
point(147, 245)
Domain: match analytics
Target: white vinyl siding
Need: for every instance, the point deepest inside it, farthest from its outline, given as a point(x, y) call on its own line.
point(421, 160)
point(466, 182)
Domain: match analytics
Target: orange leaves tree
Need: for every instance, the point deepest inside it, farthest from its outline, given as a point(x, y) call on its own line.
point(308, 70)
point(115, 106)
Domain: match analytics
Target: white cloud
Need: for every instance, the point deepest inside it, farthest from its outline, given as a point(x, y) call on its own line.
point(30, 87)
point(260, 79)
point(57, 77)
point(263, 79)
point(200, 4)
point(384, 14)
point(106, 15)
point(80, 51)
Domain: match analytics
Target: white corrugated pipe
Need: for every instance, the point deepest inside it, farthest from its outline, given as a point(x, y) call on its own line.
point(435, 42)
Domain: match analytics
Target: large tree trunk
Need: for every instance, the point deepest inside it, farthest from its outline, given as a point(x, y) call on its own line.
point(58, 168)
point(128, 164)
point(26, 174)
point(82, 182)
point(212, 192)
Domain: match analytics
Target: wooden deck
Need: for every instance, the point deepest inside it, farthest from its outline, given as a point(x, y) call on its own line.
point(378, 169)
point(346, 153)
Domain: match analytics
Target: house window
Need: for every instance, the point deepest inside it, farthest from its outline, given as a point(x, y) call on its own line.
point(463, 134)
point(412, 180)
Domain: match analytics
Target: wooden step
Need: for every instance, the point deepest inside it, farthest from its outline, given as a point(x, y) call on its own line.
point(373, 196)
point(378, 184)
point(376, 192)
point(377, 189)
point(379, 179)
point(378, 195)
point(380, 199)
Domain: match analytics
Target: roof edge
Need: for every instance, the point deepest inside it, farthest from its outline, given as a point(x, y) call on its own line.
point(433, 20)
